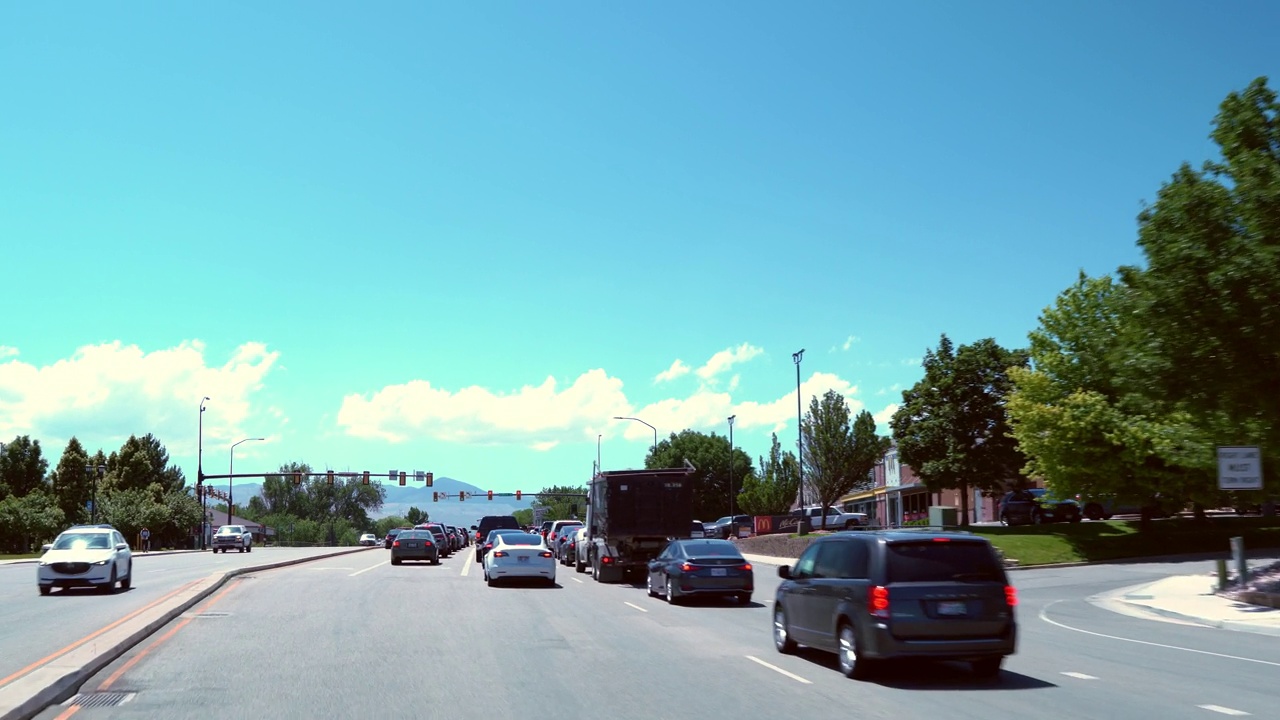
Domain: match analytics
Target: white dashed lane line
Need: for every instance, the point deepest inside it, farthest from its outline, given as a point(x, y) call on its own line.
point(358, 572)
point(778, 670)
point(466, 567)
point(1223, 710)
point(577, 580)
point(1080, 676)
point(637, 607)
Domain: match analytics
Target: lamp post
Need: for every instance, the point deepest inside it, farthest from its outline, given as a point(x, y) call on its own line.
point(204, 504)
point(598, 436)
point(654, 429)
point(733, 524)
point(797, 357)
point(95, 472)
point(231, 481)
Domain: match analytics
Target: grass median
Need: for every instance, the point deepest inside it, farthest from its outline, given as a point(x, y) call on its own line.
point(1088, 541)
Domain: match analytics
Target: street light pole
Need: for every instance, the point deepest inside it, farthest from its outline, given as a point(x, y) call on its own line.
point(797, 357)
point(231, 481)
point(733, 525)
point(600, 435)
point(204, 504)
point(654, 429)
point(95, 472)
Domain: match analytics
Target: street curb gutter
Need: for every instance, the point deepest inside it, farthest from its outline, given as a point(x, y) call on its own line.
point(1220, 624)
point(60, 678)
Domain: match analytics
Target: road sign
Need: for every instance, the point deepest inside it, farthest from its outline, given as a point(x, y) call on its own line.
point(419, 476)
point(1239, 468)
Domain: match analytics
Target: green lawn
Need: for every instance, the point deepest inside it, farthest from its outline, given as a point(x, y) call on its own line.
point(18, 557)
point(1120, 539)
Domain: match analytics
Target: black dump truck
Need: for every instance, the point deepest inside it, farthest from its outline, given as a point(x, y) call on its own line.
point(631, 514)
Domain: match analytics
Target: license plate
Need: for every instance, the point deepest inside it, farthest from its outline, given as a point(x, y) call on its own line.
point(719, 572)
point(524, 558)
point(952, 607)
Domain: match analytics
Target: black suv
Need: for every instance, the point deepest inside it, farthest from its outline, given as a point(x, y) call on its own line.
point(874, 596)
point(492, 522)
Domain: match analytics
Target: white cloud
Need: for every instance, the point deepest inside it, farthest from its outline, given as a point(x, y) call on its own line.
point(882, 418)
point(849, 342)
point(725, 359)
point(891, 389)
point(537, 416)
point(104, 393)
point(911, 361)
point(8, 352)
point(677, 369)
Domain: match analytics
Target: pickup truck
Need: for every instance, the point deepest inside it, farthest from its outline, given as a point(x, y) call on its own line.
point(233, 537)
point(835, 519)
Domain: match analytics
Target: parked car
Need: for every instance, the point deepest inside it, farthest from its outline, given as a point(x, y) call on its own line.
point(724, 528)
point(871, 596)
point(415, 545)
point(697, 531)
point(483, 548)
point(701, 567)
point(519, 555)
point(1036, 506)
point(86, 556)
point(1103, 508)
point(835, 519)
point(369, 539)
point(233, 537)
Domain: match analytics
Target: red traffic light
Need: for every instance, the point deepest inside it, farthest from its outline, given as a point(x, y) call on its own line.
point(517, 494)
point(435, 497)
point(490, 494)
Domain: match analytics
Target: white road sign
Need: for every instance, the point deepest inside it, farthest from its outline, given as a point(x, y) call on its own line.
point(1239, 468)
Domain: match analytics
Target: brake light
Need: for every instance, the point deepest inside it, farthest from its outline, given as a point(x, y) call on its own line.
point(878, 601)
point(395, 544)
point(426, 542)
point(606, 560)
point(545, 554)
point(686, 567)
point(1010, 595)
point(942, 539)
point(488, 546)
point(499, 553)
point(746, 566)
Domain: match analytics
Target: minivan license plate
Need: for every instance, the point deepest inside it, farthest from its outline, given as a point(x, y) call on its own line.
point(952, 607)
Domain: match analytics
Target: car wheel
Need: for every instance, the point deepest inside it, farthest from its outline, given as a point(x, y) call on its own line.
point(851, 665)
point(1004, 518)
point(127, 582)
point(1037, 518)
point(744, 598)
point(652, 592)
point(435, 560)
point(987, 667)
point(850, 524)
point(579, 565)
point(1075, 517)
point(111, 586)
point(1093, 511)
point(492, 582)
point(248, 548)
point(46, 589)
point(672, 597)
point(782, 632)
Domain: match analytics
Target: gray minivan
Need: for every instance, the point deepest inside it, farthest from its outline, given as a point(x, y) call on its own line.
point(874, 596)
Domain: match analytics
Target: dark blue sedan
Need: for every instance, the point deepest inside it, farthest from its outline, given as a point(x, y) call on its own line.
point(701, 567)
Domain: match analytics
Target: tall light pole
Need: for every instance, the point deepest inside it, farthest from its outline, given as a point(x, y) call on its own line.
point(204, 504)
point(797, 357)
point(598, 436)
point(733, 525)
point(231, 481)
point(654, 429)
point(96, 472)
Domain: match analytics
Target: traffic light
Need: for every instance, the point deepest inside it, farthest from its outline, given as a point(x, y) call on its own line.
point(366, 477)
point(435, 497)
point(517, 494)
point(297, 478)
point(490, 494)
point(403, 474)
point(431, 479)
point(328, 475)
point(461, 496)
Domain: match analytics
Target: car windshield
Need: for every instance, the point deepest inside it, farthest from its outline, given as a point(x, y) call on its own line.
point(228, 529)
point(521, 539)
point(711, 548)
point(493, 534)
point(82, 541)
point(934, 561)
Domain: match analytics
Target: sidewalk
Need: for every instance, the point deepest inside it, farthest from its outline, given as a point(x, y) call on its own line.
point(136, 553)
point(1189, 598)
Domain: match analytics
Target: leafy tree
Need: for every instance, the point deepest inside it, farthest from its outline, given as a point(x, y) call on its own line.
point(1205, 306)
point(709, 454)
point(773, 490)
point(1080, 429)
point(560, 507)
point(524, 517)
point(28, 520)
point(416, 516)
point(22, 467)
point(280, 495)
point(72, 486)
point(383, 525)
point(140, 462)
point(952, 428)
point(838, 458)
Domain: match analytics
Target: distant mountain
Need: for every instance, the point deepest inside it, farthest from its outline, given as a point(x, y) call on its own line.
point(452, 511)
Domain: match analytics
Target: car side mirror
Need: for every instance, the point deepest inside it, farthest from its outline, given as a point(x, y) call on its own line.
point(122, 546)
point(46, 547)
point(784, 572)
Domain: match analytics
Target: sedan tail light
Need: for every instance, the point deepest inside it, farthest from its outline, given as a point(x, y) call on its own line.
point(745, 566)
point(686, 567)
point(395, 544)
point(545, 554)
point(499, 553)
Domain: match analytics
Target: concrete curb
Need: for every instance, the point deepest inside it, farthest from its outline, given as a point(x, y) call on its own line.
point(60, 679)
point(24, 561)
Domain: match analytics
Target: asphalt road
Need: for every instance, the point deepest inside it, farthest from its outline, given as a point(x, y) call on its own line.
point(355, 637)
point(33, 627)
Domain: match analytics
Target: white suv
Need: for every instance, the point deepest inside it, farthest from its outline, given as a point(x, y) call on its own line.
point(86, 556)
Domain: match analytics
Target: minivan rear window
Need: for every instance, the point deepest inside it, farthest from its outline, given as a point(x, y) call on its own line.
point(942, 561)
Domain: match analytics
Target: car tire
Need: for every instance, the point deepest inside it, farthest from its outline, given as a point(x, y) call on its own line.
point(579, 565)
point(1004, 519)
point(782, 641)
point(127, 582)
point(491, 581)
point(435, 560)
point(1037, 518)
point(395, 561)
point(672, 597)
point(744, 598)
point(987, 667)
point(110, 587)
point(46, 589)
point(649, 585)
point(852, 664)
point(248, 548)
point(1093, 511)
point(850, 524)
point(1075, 517)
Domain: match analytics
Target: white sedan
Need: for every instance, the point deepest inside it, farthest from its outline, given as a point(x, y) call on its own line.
point(519, 555)
point(368, 539)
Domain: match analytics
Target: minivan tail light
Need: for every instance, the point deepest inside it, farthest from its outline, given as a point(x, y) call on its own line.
point(1010, 595)
point(878, 601)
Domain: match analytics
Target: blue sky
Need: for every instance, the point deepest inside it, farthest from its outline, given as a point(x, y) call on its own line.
point(461, 238)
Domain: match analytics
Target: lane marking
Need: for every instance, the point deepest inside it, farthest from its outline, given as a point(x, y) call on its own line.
point(777, 669)
point(1044, 616)
point(635, 606)
point(1079, 676)
point(96, 633)
point(1223, 710)
point(577, 580)
point(106, 684)
point(371, 567)
point(466, 567)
